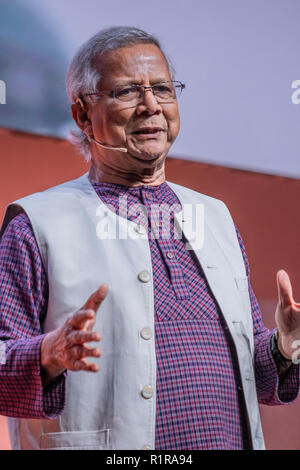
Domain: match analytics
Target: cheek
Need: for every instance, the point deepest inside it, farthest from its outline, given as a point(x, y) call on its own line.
point(110, 122)
point(173, 121)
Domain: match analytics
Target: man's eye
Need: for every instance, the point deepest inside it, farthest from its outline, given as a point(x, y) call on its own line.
point(123, 92)
point(163, 89)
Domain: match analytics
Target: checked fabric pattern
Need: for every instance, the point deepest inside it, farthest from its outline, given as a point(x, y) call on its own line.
point(199, 397)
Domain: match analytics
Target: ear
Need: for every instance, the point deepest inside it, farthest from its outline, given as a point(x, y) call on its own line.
point(80, 116)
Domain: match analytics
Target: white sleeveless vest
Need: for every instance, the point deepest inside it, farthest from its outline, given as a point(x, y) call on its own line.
point(115, 408)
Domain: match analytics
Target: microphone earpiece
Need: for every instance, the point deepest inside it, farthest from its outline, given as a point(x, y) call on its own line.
point(120, 149)
point(79, 100)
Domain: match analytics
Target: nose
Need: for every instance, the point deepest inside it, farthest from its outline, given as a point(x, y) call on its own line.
point(148, 103)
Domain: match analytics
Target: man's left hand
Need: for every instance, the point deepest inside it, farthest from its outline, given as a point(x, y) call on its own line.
point(287, 316)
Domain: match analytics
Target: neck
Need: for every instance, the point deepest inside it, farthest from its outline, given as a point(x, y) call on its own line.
point(100, 172)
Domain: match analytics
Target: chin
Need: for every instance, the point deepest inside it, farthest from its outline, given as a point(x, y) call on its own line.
point(148, 157)
point(152, 152)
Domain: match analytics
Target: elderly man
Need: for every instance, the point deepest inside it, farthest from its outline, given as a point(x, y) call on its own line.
point(184, 355)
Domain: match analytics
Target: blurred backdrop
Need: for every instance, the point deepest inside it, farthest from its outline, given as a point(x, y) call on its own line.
point(240, 116)
point(238, 58)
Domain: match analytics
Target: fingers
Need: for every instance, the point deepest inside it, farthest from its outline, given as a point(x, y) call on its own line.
point(81, 337)
point(77, 358)
point(79, 362)
point(89, 310)
point(80, 352)
point(96, 298)
point(84, 365)
point(285, 293)
point(80, 318)
point(68, 348)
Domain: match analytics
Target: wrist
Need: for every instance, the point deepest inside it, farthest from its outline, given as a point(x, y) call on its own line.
point(280, 348)
point(281, 360)
point(49, 365)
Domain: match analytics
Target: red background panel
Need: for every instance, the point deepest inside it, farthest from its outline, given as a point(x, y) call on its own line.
point(264, 208)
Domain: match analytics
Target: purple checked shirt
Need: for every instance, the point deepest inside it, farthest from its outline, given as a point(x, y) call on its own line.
point(199, 396)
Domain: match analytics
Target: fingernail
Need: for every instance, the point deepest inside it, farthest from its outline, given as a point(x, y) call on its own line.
point(102, 290)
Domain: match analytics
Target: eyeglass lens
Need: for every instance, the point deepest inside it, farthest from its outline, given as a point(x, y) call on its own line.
point(163, 92)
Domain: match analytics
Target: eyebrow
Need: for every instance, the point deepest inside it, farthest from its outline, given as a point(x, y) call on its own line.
point(130, 82)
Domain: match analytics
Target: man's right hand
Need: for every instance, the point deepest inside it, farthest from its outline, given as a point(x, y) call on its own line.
point(65, 347)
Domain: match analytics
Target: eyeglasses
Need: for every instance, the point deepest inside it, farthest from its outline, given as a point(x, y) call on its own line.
point(165, 92)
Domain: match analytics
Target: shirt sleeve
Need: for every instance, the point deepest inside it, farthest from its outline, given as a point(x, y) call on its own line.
point(23, 305)
point(270, 389)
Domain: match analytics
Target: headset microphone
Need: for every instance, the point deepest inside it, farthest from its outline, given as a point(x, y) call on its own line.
point(120, 149)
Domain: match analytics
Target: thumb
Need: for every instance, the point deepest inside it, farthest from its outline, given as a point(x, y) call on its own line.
point(285, 293)
point(95, 300)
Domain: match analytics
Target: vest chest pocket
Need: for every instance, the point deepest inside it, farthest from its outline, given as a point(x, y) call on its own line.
point(76, 440)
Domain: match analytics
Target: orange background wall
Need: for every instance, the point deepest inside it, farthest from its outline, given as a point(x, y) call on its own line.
point(264, 207)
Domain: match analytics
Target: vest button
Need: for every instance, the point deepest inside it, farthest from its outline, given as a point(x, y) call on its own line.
point(146, 447)
point(147, 392)
point(140, 229)
point(146, 332)
point(144, 276)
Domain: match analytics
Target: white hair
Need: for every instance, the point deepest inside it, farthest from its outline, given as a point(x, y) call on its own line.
point(83, 77)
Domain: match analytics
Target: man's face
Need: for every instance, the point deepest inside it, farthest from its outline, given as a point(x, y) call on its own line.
point(147, 129)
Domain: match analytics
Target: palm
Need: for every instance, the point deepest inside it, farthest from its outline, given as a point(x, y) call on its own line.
point(287, 315)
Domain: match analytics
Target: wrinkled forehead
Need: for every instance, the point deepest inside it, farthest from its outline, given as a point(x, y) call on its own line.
point(135, 63)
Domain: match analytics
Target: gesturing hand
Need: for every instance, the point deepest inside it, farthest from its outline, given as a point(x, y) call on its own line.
point(287, 316)
point(65, 347)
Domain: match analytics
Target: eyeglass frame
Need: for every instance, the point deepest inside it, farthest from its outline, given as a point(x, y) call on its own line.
point(112, 91)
